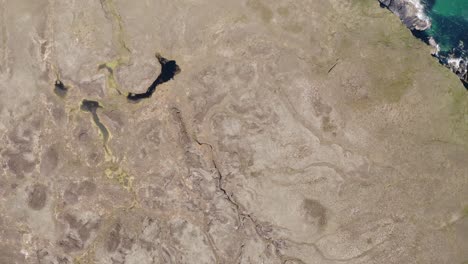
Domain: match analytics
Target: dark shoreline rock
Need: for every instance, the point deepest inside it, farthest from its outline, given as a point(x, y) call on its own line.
point(408, 13)
point(460, 68)
point(411, 15)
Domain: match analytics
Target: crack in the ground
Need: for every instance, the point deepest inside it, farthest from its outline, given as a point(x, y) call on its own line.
point(334, 65)
point(220, 177)
point(240, 210)
point(242, 214)
point(241, 252)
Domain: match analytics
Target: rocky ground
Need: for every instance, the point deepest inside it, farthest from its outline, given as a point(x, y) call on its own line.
point(295, 132)
point(409, 11)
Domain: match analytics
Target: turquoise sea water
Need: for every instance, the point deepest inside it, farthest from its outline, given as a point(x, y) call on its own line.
point(449, 24)
point(449, 29)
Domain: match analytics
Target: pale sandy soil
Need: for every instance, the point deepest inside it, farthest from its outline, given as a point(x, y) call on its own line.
point(296, 132)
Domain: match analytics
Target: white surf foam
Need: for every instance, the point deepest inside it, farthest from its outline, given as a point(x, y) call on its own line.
point(434, 44)
point(454, 62)
point(420, 14)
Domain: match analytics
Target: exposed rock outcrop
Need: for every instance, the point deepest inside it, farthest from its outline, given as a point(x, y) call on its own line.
point(410, 12)
point(460, 67)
